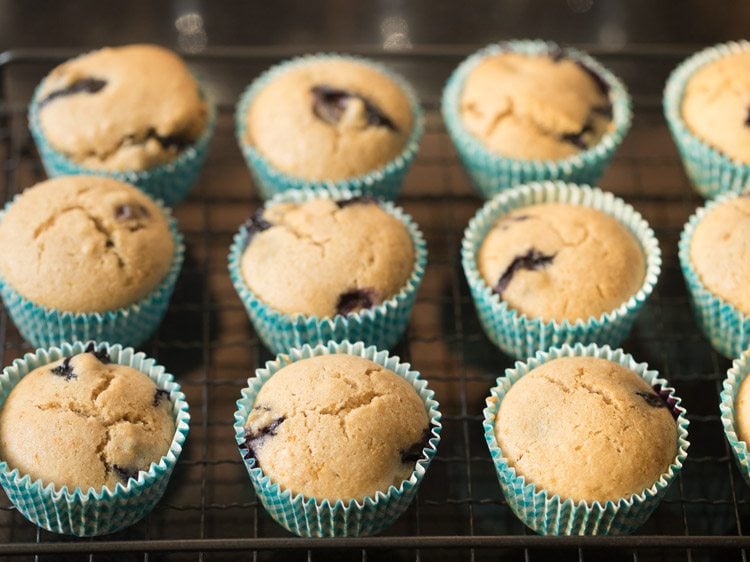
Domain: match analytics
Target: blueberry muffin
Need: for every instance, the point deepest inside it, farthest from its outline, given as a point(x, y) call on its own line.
point(742, 411)
point(357, 428)
point(535, 106)
point(324, 257)
point(719, 251)
point(83, 422)
point(124, 108)
point(560, 262)
point(715, 105)
point(84, 244)
point(329, 119)
point(586, 429)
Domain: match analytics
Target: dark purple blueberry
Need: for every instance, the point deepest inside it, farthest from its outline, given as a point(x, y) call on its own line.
point(65, 370)
point(747, 119)
point(160, 395)
point(557, 54)
point(253, 440)
point(100, 354)
point(176, 141)
point(354, 299)
point(414, 452)
point(531, 261)
point(124, 473)
point(83, 86)
point(256, 223)
point(669, 401)
point(596, 77)
point(358, 200)
point(576, 139)
point(653, 400)
point(604, 110)
point(128, 212)
point(329, 104)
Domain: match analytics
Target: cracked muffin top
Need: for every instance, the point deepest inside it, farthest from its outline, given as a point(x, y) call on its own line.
point(84, 244)
point(85, 422)
point(123, 108)
point(329, 120)
point(716, 105)
point(586, 429)
point(535, 107)
point(557, 261)
point(357, 428)
point(719, 251)
point(325, 257)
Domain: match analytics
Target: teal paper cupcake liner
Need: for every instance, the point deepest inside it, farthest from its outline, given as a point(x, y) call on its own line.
point(710, 171)
point(94, 512)
point(728, 398)
point(491, 173)
point(521, 336)
point(170, 182)
point(381, 326)
point(725, 326)
point(308, 517)
point(130, 325)
point(549, 514)
point(384, 182)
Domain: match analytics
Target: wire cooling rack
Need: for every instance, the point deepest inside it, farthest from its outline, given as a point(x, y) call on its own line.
point(209, 511)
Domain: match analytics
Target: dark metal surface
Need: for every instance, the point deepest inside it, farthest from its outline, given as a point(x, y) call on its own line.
point(209, 511)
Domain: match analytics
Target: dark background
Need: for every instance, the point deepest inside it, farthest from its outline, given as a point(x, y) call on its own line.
point(330, 23)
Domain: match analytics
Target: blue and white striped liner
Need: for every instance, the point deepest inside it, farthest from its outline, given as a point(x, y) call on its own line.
point(91, 512)
point(726, 327)
point(130, 325)
point(727, 406)
point(384, 182)
point(710, 171)
point(491, 173)
point(308, 517)
point(521, 336)
point(170, 182)
point(549, 514)
point(381, 326)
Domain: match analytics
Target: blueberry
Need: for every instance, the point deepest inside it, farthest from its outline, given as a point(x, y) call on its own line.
point(84, 85)
point(354, 299)
point(557, 54)
point(329, 105)
point(601, 84)
point(160, 395)
point(176, 141)
point(414, 452)
point(100, 354)
point(358, 200)
point(255, 439)
point(531, 260)
point(133, 211)
point(65, 370)
point(653, 400)
point(123, 473)
point(256, 223)
point(576, 139)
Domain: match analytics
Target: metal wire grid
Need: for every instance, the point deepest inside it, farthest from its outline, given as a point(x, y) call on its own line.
point(209, 509)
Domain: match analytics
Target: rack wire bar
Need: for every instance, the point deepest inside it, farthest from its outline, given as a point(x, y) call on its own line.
point(460, 514)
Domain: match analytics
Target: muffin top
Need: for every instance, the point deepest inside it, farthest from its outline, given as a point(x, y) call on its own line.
point(715, 105)
point(557, 261)
point(84, 244)
point(85, 422)
point(586, 429)
point(329, 120)
point(535, 107)
point(742, 411)
point(325, 257)
point(357, 428)
point(720, 253)
point(123, 108)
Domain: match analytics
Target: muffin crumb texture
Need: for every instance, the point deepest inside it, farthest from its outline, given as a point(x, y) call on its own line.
point(84, 244)
point(586, 429)
point(329, 120)
point(325, 257)
point(716, 105)
point(85, 422)
point(123, 108)
point(561, 262)
point(337, 427)
point(535, 107)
